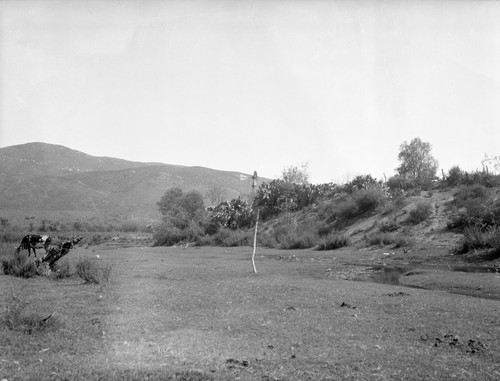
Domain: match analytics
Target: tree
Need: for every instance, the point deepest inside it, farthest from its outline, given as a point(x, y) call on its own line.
point(170, 201)
point(183, 216)
point(192, 202)
point(296, 174)
point(215, 194)
point(417, 163)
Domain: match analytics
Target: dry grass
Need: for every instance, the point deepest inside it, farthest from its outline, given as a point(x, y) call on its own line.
point(201, 313)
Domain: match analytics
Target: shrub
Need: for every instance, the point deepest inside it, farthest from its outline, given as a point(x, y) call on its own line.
point(227, 238)
point(334, 241)
point(62, 270)
point(167, 234)
point(129, 227)
point(384, 239)
point(475, 191)
point(19, 265)
point(477, 238)
point(298, 240)
point(280, 196)
point(455, 176)
point(234, 214)
point(91, 272)
point(359, 183)
point(288, 233)
point(369, 199)
point(480, 208)
point(421, 212)
point(347, 209)
point(401, 240)
point(379, 238)
point(388, 226)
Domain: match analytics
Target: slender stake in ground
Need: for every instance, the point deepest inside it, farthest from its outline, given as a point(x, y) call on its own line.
point(255, 242)
point(254, 184)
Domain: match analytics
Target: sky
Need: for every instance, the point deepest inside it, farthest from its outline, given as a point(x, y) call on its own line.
point(254, 85)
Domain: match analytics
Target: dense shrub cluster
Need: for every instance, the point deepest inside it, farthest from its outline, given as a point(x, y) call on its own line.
point(476, 238)
point(384, 239)
point(456, 176)
point(477, 206)
point(280, 196)
point(333, 241)
point(347, 207)
point(288, 233)
point(92, 272)
point(421, 212)
point(227, 238)
point(234, 214)
point(19, 266)
point(359, 183)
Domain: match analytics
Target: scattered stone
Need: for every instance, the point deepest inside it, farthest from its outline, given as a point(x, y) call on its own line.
point(400, 293)
point(451, 340)
point(344, 304)
point(234, 362)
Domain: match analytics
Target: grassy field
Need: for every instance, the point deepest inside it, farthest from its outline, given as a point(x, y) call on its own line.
point(201, 314)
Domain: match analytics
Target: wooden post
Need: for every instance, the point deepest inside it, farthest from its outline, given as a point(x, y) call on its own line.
point(254, 184)
point(255, 243)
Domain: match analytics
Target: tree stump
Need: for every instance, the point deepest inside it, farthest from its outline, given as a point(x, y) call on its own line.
point(57, 252)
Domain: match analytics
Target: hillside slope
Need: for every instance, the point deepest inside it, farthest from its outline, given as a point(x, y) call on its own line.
point(433, 231)
point(42, 179)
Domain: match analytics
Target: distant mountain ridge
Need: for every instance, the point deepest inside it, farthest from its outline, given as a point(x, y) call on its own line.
point(48, 178)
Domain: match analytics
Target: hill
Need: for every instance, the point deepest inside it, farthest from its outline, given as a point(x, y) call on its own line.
point(50, 181)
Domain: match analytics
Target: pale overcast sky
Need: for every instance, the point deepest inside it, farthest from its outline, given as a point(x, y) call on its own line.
point(254, 85)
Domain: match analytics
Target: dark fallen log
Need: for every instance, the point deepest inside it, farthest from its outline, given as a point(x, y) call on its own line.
point(57, 252)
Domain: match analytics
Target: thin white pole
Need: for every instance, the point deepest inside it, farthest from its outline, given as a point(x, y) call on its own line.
point(255, 242)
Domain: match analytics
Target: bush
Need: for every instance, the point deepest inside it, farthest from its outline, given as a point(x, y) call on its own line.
point(129, 227)
point(19, 265)
point(227, 238)
point(167, 234)
point(384, 239)
point(397, 202)
point(480, 208)
point(389, 226)
point(62, 270)
point(288, 234)
point(334, 241)
point(368, 200)
point(298, 240)
point(421, 212)
point(91, 272)
point(477, 238)
point(359, 183)
point(476, 191)
point(357, 204)
point(380, 239)
point(455, 176)
point(347, 209)
point(234, 214)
